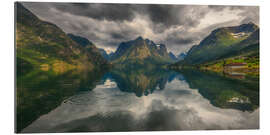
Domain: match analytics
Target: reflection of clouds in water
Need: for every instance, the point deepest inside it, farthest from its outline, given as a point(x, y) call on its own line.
point(106, 108)
point(107, 84)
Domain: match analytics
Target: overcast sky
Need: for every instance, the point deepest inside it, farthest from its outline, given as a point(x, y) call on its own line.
point(177, 26)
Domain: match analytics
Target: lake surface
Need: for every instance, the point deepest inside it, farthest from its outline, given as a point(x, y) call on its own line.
point(136, 100)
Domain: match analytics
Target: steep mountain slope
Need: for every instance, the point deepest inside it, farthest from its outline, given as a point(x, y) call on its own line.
point(80, 40)
point(89, 46)
point(42, 44)
point(105, 54)
point(181, 56)
point(173, 57)
point(141, 51)
point(221, 42)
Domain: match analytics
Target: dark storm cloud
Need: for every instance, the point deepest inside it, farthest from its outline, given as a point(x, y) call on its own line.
point(216, 7)
point(117, 35)
point(220, 7)
point(161, 16)
point(182, 41)
point(120, 12)
point(178, 38)
point(111, 12)
point(164, 14)
point(250, 13)
point(123, 34)
point(167, 16)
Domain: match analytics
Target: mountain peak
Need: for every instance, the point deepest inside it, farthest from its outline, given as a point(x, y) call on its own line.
point(140, 50)
point(172, 56)
point(251, 23)
point(24, 16)
point(247, 27)
point(139, 38)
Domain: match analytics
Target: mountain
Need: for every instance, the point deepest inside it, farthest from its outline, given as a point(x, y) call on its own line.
point(141, 51)
point(43, 45)
point(181, 56)
point(221, 42)
point(86, 43)
point(80, 40)
point(172, 56)
point(104, 54)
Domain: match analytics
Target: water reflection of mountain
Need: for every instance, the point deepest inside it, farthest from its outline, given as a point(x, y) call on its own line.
point(225, 92)
point(176, 107)
point(40, 92)
point(141, 81)
point(221, 91)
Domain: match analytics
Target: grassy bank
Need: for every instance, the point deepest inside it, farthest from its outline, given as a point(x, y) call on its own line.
point(251, 67)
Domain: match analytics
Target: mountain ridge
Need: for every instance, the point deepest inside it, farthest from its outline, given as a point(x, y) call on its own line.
point(80, 40)
point(222, 41)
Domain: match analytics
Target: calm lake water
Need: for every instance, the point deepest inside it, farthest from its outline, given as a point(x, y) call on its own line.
point(136, 100)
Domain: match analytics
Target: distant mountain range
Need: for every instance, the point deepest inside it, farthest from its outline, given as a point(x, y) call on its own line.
point(179, 57)
point(105, 54)
point(222, 43)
